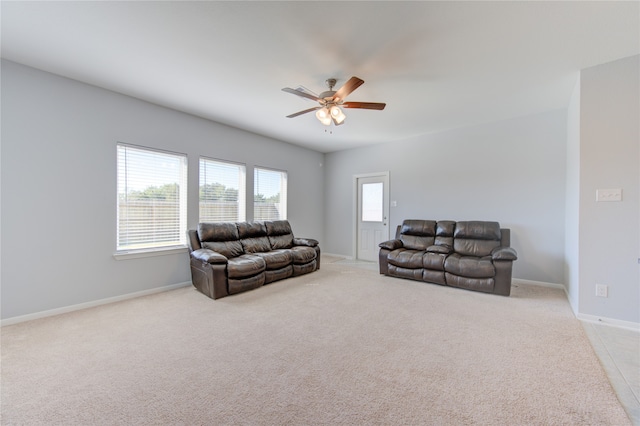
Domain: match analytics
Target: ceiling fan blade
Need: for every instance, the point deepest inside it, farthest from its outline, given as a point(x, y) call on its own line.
point(364, 105)
point(295, 114)
point(301, 93)
point(348, 87)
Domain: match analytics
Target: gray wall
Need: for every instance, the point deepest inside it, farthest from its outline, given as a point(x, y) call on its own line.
point(511, 171)
point(610, 158)
point(59, 187)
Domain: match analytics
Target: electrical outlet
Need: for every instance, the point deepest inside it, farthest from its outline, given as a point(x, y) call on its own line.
point(609, 194)
point(602, 290)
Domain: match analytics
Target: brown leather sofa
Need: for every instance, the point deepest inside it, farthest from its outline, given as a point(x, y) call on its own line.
point(232, 257)
point(474, 255)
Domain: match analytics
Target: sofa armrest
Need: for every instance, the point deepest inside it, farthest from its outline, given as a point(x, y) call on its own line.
point(443, 249)
point(504, 253)
point(209, 256)
point(309, 242)
point(391, 244)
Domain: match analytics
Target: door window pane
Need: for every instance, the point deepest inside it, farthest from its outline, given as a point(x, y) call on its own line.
point(372, 202)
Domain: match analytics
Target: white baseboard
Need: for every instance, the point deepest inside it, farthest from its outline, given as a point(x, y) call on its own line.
point(538, 283)
point(627, 325)
point(66, 309)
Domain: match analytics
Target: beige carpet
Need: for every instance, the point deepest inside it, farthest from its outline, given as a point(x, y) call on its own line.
point(341, 346)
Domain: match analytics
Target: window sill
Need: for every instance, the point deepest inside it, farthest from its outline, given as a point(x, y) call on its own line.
point(136, 254)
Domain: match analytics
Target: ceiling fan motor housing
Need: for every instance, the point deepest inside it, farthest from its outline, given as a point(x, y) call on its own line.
point(328, 95)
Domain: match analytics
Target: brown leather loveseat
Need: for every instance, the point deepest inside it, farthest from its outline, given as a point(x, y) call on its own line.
point(232, 257)
point(473, 255)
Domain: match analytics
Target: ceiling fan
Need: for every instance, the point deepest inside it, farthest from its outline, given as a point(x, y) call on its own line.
point(330, 101)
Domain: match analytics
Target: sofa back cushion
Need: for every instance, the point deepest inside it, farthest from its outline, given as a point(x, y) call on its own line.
point(253, 236)
point(221, 237)
point(444, 233)
point(476, 238)
point(418, 234)
point(280, 234)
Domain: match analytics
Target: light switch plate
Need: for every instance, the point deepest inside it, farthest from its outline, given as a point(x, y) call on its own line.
point(609, 194)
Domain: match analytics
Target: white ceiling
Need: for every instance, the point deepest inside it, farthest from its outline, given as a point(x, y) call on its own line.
point(437, 65)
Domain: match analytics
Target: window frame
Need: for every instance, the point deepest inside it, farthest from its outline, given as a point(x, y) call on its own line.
point(173, 246)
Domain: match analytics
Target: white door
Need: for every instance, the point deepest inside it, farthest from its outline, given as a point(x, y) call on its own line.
point(372, 214)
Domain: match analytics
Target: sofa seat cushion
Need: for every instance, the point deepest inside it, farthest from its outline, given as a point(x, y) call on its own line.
point(486, 285)
point(434, 261)
point(405, 258)
point(432, 276)
point(304, 269)
point(276, 259)
point(410, 273)
point(239, 285)
point(469, 266)
point(302, 254)
point(246, 265)
point(278, 274)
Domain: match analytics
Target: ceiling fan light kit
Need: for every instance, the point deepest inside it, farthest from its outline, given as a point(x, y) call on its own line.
point(330, 101)
point(337, 115)
point(328, 115)
point(324, 116)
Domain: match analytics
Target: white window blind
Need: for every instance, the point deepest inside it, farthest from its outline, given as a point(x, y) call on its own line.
point(152, 198)
point(222, 191)
point(269, 194)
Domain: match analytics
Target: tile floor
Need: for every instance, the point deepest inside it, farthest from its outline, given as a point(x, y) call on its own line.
point(618, 350)
point(619, 353)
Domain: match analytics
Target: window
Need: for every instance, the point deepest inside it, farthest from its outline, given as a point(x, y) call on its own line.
point(152, 198)
point(372, 210)
point(222, 191)
point(269, 194)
